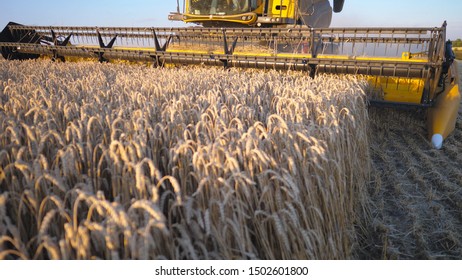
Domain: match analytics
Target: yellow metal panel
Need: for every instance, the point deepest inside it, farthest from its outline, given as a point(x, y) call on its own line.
point(442, 119)
point(375, 58)
point(283, 8)
point(407, 90)
point(249, 18)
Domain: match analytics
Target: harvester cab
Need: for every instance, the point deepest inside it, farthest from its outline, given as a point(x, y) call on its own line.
point(259, 13)
point(405, 67)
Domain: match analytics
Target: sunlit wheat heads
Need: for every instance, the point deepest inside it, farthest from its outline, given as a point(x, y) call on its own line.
point(114, 161)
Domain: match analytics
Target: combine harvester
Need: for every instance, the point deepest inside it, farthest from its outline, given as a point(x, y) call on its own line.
point(408, 68)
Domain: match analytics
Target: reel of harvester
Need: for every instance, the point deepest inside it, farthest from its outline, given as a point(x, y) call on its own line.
point(408, 67)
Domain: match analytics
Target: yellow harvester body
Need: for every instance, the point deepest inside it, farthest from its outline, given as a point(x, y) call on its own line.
point(443, 116)
point(261, 13)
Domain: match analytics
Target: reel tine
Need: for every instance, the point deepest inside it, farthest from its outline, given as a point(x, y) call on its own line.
point(66, 41)
point(111, 43)
point(53, 37)
point(225, 42)
point(233, 47)
point(229, 50)
point(156, 41)
point(100, 39)
point(164, 48)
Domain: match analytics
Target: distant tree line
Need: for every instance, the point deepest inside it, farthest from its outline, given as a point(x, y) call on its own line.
point(457, 43)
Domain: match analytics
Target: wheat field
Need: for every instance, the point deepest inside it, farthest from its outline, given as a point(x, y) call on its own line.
point(110, 161)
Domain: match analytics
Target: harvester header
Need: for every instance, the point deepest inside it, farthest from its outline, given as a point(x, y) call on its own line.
point(408, 68)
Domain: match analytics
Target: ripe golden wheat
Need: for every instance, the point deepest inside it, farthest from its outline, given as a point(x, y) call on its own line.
point(102, 161)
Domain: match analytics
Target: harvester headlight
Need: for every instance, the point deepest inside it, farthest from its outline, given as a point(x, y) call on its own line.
point(244, 17)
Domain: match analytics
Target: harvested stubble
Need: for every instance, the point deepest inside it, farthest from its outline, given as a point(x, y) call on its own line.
point(125, 162)
point(415, 190)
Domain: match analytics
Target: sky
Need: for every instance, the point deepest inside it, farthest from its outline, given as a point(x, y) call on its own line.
point(153, 13)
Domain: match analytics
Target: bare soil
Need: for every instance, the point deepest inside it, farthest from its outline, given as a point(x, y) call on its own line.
point(416, 191)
